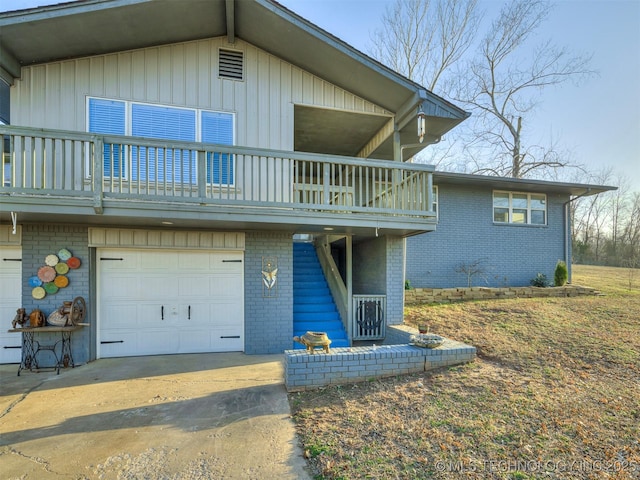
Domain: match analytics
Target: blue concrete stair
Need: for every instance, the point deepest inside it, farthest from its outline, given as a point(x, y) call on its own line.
point(313, 306)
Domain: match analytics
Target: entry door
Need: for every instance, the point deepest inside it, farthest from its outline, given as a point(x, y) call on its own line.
point(10, 301)
point(170, 301)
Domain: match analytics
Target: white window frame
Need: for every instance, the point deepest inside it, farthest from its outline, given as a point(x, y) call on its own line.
point(435, 205)
point(510, 208)
point(128, 127)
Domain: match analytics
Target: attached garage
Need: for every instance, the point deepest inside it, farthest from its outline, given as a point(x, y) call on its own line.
point(10, 301)
point(157, 301)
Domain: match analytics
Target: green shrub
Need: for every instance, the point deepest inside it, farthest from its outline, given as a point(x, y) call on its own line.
point(540, 280)
point(407, 285)
point(561, 274)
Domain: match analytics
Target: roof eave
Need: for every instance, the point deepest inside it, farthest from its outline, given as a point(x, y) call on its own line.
point(522, 184)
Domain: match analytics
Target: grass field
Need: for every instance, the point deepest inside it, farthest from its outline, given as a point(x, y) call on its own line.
point(554, 393)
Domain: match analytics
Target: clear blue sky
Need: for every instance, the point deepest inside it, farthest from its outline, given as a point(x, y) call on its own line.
point(599, 121)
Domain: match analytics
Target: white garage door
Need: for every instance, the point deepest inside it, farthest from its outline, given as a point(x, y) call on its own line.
point(154, 302)
point(10, 301)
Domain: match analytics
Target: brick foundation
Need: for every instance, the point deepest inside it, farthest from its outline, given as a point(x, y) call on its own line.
point(448, 295)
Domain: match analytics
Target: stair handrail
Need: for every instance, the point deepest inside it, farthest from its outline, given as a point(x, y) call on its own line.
point(334, 280)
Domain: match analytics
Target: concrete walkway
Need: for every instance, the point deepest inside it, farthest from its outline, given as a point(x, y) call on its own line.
point(201, 416)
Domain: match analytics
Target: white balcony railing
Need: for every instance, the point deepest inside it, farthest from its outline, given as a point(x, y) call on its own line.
point(99, 167)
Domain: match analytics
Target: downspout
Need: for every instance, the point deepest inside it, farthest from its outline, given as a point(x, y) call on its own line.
point(567, 230)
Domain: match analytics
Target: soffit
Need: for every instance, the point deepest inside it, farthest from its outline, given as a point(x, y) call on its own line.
point(349, 131)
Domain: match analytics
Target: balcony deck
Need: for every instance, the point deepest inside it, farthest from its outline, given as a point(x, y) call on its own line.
point(76, 177)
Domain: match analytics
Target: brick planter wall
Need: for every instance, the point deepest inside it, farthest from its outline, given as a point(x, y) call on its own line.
point(303, 371)
point(448, 295)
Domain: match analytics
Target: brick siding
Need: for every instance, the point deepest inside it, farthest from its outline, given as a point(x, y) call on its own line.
point(268, 320)
point(38, 241)
point(511, 255)
point(304, 371)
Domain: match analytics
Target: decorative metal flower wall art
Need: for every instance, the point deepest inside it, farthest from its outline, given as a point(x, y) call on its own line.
point(269, 276)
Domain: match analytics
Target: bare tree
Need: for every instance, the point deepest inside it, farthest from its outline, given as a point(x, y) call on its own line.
point(631, 231)
point(423, 39)
point(592, 216)
point(502, 87)
point(472, 269)
point(619, 206)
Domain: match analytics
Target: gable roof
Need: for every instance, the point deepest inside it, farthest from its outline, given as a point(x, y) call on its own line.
point(92, 27)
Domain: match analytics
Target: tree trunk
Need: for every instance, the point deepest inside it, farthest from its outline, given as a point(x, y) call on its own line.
point(517, 159)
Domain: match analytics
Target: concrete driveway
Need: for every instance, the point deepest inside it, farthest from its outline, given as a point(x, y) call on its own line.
point(201, 416)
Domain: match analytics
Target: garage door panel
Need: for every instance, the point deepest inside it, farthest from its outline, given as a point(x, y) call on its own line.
point(199, 294)
point(158, 287)
point(160, 341)
point(192, 286)
point(226, 314)
point(195, 341)
point(118, 343)
point(227, 263)
point(119, 316)
point(122, 286)
point(227, 339)
point(118, 260)
point(199, 313)
point(193, 262)
point(10, 301)
point(153, 315)
point(165, 262)
point(222, 286)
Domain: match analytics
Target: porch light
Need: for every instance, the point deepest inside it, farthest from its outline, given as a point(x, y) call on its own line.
point(422, 124)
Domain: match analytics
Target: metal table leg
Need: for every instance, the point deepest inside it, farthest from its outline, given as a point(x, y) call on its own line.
point(51, 348)
point(28, 360)
point(66, 357)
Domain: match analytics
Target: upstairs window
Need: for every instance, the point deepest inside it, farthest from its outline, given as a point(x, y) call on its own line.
point(108, 116)
point(163, 123)
point(519, 208)
point(218, 128)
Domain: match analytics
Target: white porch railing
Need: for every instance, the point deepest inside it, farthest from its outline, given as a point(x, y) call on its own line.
point(99, 167)
point(369, 317)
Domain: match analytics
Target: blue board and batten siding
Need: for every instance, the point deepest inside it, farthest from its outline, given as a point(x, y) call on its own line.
point(511, 254)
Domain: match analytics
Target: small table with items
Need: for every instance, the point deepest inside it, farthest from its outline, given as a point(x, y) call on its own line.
point(31, 347)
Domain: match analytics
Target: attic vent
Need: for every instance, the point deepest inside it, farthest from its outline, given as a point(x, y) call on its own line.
point(231, 64)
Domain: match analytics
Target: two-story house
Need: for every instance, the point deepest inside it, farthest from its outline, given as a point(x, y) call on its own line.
point(178, 149)
point(209, 176)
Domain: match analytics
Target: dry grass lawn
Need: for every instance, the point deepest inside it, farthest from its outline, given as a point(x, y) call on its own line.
point(554, 393)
